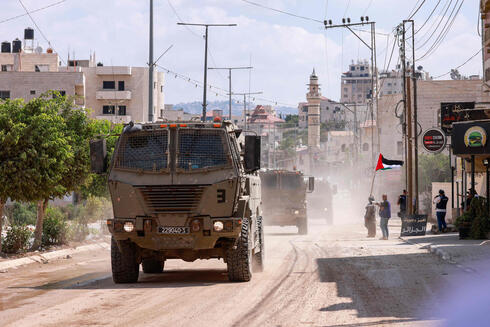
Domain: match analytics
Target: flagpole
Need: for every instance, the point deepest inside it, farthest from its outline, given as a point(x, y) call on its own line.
point(372, 183)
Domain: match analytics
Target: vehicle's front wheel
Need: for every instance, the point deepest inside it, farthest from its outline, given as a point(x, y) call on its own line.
point(239, 260)
point(152, 266)
point(125, 268)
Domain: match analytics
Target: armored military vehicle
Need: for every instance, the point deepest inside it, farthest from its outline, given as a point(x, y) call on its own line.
point(183, 191)
point(284, 198)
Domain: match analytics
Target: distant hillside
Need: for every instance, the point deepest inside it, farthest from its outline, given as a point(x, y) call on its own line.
point(236, 108)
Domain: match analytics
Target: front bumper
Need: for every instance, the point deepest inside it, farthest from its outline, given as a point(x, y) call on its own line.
point(145, 233)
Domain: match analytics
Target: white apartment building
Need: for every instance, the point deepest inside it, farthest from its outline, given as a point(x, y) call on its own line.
point(116, 93)
point(356, 83)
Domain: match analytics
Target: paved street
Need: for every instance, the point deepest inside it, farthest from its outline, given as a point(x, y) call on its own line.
point(332, 277)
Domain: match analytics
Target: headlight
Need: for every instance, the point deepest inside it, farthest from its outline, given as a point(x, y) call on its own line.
point(296, 212)
point(195, 225)
point(128, 226)
point(218, 226)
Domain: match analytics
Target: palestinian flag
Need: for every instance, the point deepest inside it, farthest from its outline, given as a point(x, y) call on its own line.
point(385, 164)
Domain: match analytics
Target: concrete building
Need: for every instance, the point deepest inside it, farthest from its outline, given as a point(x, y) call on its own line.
point(485, 24)
point(171, 114)
point(356, 83)
point(390, 82)
point(116, 93)
point(329, 111)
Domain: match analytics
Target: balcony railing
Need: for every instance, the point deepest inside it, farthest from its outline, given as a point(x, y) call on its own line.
point(113, 95)
point(113, 70)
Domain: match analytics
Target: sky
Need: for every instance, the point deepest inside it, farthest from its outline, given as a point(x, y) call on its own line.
point(282, 49)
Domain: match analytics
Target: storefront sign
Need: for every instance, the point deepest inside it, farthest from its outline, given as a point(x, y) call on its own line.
point(470, 138)
point(415, 225)
point(434, 140)
point(452, 112)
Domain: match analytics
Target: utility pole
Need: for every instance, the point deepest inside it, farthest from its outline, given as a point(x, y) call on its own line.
point(374, 79)
point(151, 68)
point(204, 101)
point(229, 78)
point(245, 104)
point(410, 150)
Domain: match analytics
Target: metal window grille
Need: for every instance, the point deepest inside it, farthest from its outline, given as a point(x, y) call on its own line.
point(201, 148)
point(146, 150)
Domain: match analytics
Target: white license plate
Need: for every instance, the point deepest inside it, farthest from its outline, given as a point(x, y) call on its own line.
point(173, 230)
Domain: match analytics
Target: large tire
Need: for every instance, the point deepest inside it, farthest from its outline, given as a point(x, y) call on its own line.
point(259, 258)
point(239, 260)
point(125, 268)
point(152, 266)
point(302, 225)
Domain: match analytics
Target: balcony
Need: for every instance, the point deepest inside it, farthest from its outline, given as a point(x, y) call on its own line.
point(113, 70)
point(113, 95)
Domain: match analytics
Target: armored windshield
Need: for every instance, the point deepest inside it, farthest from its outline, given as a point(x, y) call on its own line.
point(291, 182)
point(146, 150)
point(202, 148)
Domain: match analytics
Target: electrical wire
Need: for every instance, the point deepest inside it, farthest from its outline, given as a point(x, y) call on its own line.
point(434, 30)
point(416, 11)
point(32, 11)
point(464, 63)
point(368, 6)
point(443, 34)
point(39, 30)
point(347, 8)
point(428, 18)
point(282, 11)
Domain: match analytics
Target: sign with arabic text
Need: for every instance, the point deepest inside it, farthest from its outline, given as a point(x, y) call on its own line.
point(453, 112)
point(434, 140)
point(414, 225)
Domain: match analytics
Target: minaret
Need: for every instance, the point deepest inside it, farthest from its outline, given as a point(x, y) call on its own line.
point(313, 97)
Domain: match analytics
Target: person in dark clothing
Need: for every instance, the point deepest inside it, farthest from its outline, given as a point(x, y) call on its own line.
point(385, 215)
point(402, 202)
point(370, 218)
point(441, 203)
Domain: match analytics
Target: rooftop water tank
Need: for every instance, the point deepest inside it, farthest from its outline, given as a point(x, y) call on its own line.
point(6, 47)
point(28, 34)
point(16, 46)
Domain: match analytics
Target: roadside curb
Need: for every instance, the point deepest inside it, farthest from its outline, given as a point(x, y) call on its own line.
point(444, 255)
point(45, 257)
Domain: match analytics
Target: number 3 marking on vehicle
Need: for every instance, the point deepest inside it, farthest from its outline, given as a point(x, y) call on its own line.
point(221, 196)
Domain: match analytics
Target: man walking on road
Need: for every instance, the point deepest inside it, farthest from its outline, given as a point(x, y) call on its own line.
point(370, 218)
point(402, 202)
point(385, 215)
point(441, 203)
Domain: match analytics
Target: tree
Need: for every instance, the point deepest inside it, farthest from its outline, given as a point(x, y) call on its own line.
point(11, 132)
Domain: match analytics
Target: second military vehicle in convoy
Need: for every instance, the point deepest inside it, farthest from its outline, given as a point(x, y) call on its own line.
point(284, 198)
point(183, 191)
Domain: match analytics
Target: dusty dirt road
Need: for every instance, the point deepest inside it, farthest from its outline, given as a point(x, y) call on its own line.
point(332, 277)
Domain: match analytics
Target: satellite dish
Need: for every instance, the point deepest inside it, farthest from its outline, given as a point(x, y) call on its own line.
point(39, 50)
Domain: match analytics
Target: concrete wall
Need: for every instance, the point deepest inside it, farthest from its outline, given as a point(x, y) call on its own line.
point(26, 62)
point(21, 84)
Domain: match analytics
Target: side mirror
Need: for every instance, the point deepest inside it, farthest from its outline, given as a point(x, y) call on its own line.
point(252, 153)
point(98, 156)
point(311, 184)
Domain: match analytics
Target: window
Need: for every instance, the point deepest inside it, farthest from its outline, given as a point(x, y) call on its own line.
point(389, 92)
point(365, 147)
point(109, 85)
point(120, 86)
point(108, 110)
point(342, 148)
point(7, 68)
point(399, 148)
point(41, 68)
point(33, 92)
point(345, 89)
point(4, 95)
point(201, 148)
point(362, 67)
point(161, 88)
point(352, 68)
point(61, 93)
point(122, 111)
point(154, 85)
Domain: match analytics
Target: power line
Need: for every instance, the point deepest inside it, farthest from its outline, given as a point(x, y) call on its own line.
point(443, 34)
point(434, 30)
point(416, 11)
point(39, 30)
point(32, 11)
point(367, 8)
point(464, 63)
point(428, 18)
point(282, 11)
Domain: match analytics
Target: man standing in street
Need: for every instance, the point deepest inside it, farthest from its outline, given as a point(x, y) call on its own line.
point(402, 202)
point(370, 218)
point(385, 215)
point(441, 203)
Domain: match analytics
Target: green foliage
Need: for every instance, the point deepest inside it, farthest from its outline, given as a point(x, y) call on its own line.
point(21, 214)
point(17, 239)
point(333, 125)
point(476, 217)
point(433, 168)
point(292, 119)
point(54, 227)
